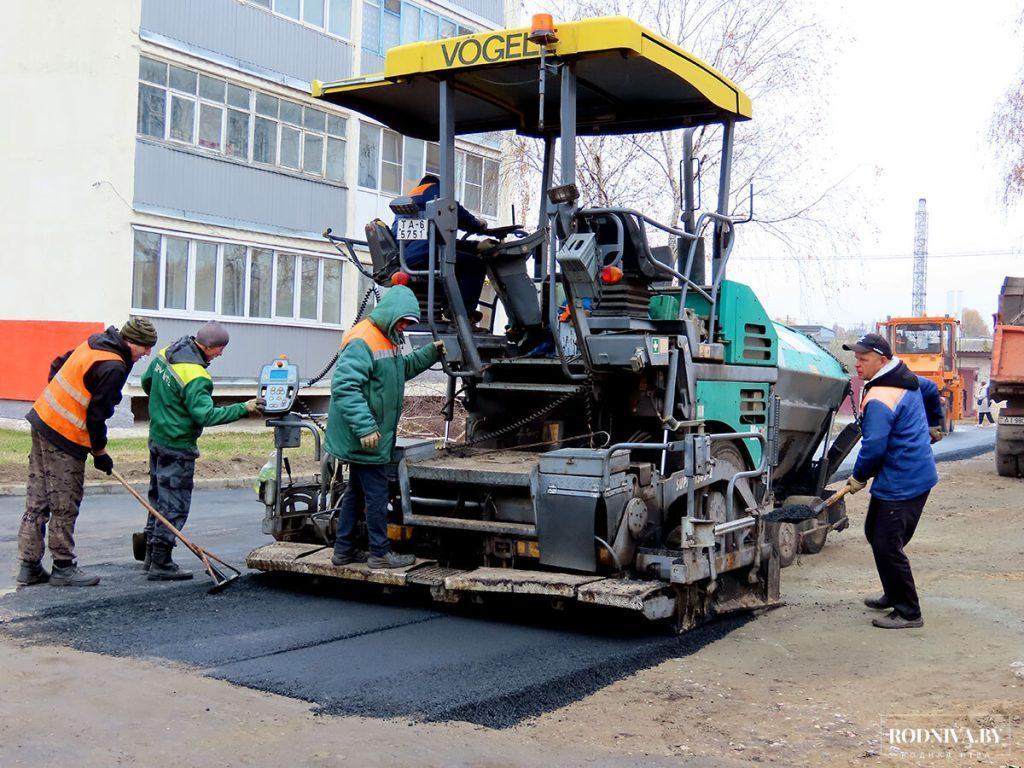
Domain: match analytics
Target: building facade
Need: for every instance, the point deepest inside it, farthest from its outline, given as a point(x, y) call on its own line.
point(172, 164)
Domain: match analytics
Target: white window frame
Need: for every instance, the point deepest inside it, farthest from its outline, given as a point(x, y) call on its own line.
point(191, 313)
point(221, 153)
point(325, 29)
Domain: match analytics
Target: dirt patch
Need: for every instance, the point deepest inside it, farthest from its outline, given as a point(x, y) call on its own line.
point(813, 683)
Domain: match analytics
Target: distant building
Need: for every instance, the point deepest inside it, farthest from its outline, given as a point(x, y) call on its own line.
point(976, 354)
point(166, 159)
point(819, 333)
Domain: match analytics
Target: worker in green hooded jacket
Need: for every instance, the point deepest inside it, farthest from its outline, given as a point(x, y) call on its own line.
point(367, 391)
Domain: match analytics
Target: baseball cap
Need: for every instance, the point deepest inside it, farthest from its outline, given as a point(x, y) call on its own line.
point(870, 342)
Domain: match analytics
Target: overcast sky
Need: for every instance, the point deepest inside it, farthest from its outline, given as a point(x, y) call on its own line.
point(912, 94)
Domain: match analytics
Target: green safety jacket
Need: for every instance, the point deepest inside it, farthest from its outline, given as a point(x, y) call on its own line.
point(181, 396)
point(368, 385)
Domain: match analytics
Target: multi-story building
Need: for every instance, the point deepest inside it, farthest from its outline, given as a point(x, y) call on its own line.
point(164, 158)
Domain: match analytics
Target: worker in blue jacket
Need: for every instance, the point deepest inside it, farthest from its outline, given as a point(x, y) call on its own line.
point(896, 411)
point(469, 267)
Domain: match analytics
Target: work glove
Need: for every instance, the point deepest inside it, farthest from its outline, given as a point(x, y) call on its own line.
point(370, 441)
point(935, 433)
point(256, 404)
point(440, 347)
point(854, 484)
point(481, 224)
point(103, 462)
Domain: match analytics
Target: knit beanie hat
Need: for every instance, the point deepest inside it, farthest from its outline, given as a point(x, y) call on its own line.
point(139, 330)
point(212, 334)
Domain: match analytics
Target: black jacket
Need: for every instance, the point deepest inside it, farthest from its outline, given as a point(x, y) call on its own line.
point(104, 380)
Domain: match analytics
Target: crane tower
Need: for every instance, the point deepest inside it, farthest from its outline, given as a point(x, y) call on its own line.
point(920, 293)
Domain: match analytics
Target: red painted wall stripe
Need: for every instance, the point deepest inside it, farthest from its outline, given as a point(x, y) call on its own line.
point(30, 346)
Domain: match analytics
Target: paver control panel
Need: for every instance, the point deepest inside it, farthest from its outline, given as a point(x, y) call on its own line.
point(279, 385)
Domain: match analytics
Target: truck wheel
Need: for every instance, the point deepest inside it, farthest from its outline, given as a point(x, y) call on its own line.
point(1007, 464)
point(785, 539)
point(811, 543)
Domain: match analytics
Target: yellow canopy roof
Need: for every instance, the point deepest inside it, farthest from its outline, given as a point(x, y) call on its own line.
point(629, 80)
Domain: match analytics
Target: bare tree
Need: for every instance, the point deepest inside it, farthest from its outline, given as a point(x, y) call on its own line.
point(1006, 133)
point(777, 51)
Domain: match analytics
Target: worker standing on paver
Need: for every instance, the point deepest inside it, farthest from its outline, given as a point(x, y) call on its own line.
point(180, 405)
point(895, 450)
point(367, 391)
point(69, 421)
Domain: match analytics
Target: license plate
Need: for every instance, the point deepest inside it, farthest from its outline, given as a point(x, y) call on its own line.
point(1011, 420)
point(412, 229)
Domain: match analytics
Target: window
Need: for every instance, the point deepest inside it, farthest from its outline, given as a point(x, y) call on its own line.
point(146, 271)
point(290, 147)
point(489, 206)
point(433, 158)
point(309, 288)
point(261, 269)
point(181, 274)
point(471, 195)
point(333, 16)
point(387, 23)
point(289, 8)
point(413, 164)
point(924, 338)
point(332, 291)
point(369, 155)
point(216, 116)
point(339, 17)
point(371, 26)
point(175, 272)
point(285, 288)
point(391, 164)
point(264, 141)
point(206, 277)
point(232, 297)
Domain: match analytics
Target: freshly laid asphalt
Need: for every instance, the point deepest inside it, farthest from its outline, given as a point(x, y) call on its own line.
point(344, 648)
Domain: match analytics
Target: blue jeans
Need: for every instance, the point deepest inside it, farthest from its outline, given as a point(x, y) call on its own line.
point(367, 489)
point(170, 490)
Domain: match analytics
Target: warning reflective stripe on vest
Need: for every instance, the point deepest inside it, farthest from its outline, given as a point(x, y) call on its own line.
point(64, 403)
point(52, 401)
point(78, 396)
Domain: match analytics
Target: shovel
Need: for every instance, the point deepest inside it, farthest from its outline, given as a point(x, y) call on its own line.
point(797, 513)
point(220, 580)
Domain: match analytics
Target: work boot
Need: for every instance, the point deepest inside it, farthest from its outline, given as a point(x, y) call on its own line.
point(32, 573)
point(879, 602)
point(162, 567)
point(391, 560)
point(148, 559)
point(352, 556)
point(71, 576)
point(895, 621)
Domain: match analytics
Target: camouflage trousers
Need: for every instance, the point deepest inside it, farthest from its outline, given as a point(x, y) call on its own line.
point(170, 489)
point(54, 493)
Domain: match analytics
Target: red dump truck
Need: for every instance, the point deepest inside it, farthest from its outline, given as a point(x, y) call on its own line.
point(1007, 382)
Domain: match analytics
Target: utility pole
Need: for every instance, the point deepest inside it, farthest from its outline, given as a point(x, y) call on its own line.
point(920, 294)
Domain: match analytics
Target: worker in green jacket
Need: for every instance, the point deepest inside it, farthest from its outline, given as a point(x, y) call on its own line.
point(367, 391)
point(180, 404)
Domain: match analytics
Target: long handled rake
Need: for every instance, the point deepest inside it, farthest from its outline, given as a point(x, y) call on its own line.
point(220, 580)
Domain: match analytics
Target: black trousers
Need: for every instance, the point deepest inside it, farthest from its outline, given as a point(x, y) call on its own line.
point(889, 527)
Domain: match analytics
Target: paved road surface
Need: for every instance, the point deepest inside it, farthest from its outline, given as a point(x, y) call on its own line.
point(348, 650)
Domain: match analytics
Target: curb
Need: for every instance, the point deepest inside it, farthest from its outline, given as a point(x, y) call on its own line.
point(103, 488)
